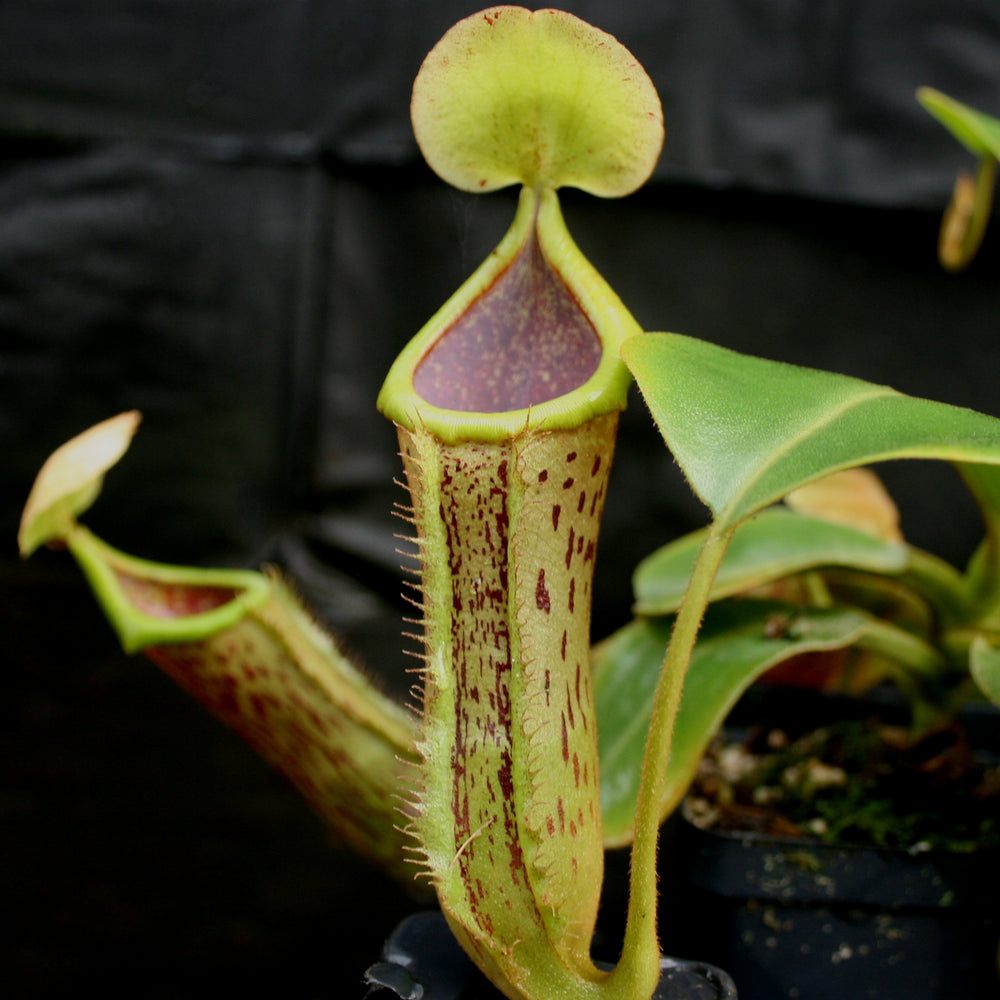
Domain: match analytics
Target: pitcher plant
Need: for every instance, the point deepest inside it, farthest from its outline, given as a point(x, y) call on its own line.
point(527, 752)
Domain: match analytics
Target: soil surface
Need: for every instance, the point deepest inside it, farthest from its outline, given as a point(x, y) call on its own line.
point(856, 781)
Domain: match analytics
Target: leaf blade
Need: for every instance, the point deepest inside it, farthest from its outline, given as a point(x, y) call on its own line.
point(977, 131)
point(776, 543)
point(735, 648)
point(743, 450)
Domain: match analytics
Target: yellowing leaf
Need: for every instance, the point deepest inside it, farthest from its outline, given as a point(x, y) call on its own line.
point(855, 497)
point(968, 212)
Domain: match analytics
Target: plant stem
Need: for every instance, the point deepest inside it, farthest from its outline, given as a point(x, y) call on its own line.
point(940, 584)
point(641, 952)
point(909, 651)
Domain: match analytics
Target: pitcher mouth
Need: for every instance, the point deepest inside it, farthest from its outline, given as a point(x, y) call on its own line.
point(150, 603)
point(523, 342)
point(530, 341)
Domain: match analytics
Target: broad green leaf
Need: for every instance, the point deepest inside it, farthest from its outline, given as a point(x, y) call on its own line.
point(539, 98)
point(984, 663)
point(774, 544)
point(978, 132)
point(71, 479)
point(747, 431)
point(738, 642)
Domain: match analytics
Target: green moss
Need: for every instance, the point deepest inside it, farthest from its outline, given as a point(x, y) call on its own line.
point(860, 782)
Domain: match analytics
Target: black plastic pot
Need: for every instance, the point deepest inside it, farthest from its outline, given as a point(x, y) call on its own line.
point(422, 960)
point(796, 919)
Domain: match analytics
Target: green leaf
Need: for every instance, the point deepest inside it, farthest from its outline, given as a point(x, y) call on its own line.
point(978, 132)
point(738, 643)
point(984, 664)
point(747, 431)
point(539, 98)
point(774, 544)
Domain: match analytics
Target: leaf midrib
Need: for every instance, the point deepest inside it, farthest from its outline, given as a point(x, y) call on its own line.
point(726, 517)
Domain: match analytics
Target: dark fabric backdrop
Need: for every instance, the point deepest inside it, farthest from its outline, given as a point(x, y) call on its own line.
point(215, 212)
